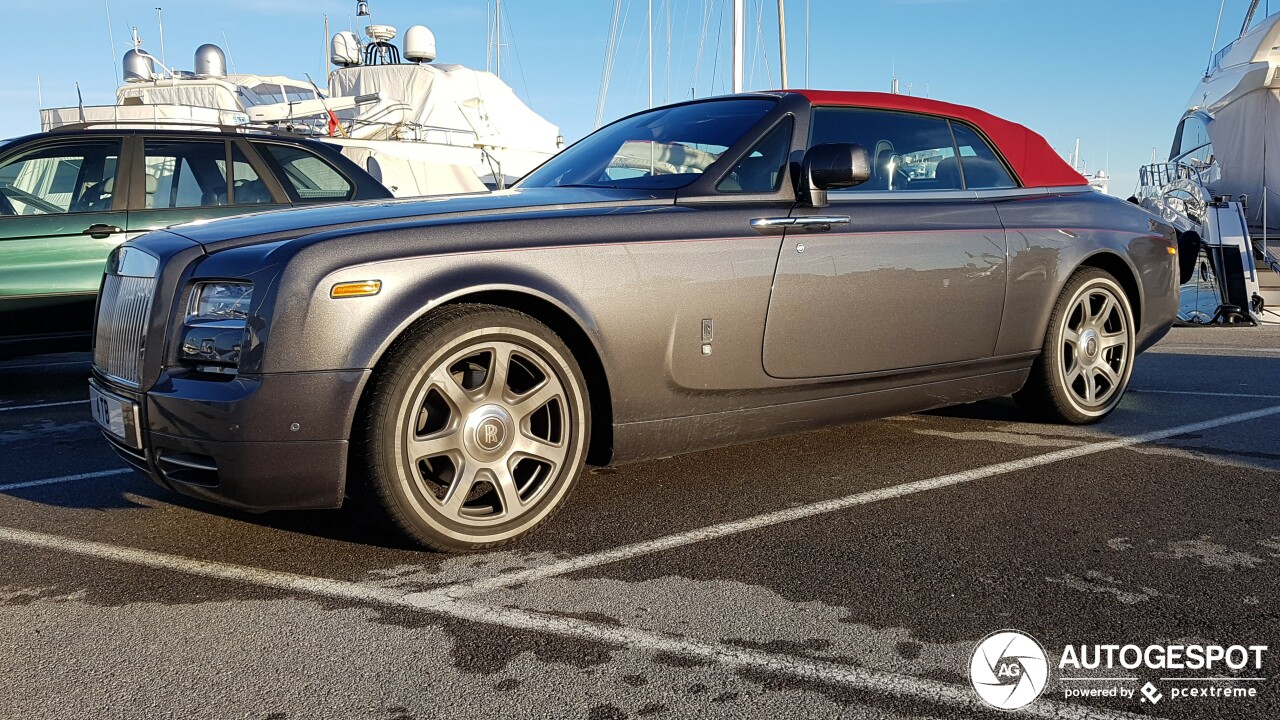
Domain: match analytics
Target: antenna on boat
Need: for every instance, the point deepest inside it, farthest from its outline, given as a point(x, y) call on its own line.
point(39, 94)
point(111, 40)
point(1214, 45)
point(160, 22)
point(232, 58)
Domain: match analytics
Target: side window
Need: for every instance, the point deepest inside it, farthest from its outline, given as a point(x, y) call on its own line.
point(185, 173)
point(310, 177)
point(982, 167)
point(763, 169)
point(247, 188)
point(1193, 135)
point(907, 151)
point(60, 178)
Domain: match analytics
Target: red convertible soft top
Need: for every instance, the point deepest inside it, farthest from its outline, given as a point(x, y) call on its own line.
point(1035, 163)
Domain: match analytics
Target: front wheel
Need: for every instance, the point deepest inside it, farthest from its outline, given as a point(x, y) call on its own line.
point(477, 428)
point(1084, 366)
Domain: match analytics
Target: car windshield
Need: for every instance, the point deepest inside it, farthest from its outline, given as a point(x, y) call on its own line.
point(661, 149)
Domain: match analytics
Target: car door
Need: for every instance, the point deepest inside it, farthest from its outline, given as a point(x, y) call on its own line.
point(61, 213)
point(180, 179)
point(904, 271)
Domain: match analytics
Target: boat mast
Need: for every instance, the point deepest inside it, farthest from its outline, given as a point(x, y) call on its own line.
point(497, 36)
point(650, 29)
point(782, 39)
point(737, 45)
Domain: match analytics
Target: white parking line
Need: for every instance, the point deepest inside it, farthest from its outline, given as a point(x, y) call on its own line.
point(1189, 349)
point(86, 361)
point(64, 479)
point(1206, 394)
point(713, 532)
point(44, 405)
point(873, 681)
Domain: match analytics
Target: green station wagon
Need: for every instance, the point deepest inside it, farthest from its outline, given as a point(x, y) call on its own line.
point(68, 197)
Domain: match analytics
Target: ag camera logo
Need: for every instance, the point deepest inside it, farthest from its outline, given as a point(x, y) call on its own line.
point(1009, 669)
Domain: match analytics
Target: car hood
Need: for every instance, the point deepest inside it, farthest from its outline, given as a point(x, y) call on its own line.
point(295, 222)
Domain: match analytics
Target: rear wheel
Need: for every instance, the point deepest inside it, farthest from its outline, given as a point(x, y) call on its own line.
point(1084, 367)
point(478, 428)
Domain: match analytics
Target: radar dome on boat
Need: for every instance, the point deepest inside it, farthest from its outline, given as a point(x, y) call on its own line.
point(419, 44)
point(210, 62)
point(344, 49)
point(380, 33)
point(138, 66)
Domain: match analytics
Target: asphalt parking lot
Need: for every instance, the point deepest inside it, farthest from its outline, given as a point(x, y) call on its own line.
point(843, 573)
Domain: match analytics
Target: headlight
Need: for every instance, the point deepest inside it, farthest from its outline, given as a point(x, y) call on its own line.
point(220, 301)
point(214, 329)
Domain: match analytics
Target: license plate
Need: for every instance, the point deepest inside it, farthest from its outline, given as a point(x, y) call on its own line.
point(115, 415)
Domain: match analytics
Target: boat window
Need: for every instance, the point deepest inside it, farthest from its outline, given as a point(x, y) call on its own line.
point(982, 167)
point(298, 94)
point(661, 149)
point(269, 93)
point(185, 173)
point(60, 178)
point(308, 177)
point(907, 151)
point(762, 170)
point(1192, 135)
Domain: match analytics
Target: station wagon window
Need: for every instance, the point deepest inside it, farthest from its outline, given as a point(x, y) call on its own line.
point(661, 149)
point(982, 168)
point(184, 174)
point(247, 186)
point(907, 152)
point(60, 178)
point(763, 169)
point(311, 178)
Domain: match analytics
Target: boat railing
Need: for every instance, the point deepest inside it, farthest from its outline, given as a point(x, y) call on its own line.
point(1160, 175)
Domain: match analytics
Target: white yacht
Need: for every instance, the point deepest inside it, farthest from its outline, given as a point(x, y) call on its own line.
point(1221, 182)
point(420, 127)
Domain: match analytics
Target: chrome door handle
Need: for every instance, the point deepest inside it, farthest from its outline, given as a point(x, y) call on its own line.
point(811, 223)
point(820, 221)
point(101, 230)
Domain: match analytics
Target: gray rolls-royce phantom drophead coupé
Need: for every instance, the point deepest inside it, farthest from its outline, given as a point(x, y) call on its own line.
point(692, 276)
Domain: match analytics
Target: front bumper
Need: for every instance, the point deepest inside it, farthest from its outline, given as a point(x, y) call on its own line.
point(270, 442)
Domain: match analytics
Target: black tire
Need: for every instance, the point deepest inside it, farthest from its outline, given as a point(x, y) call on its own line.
point(1067, 373)
point(440, 420)
point(1188, 255)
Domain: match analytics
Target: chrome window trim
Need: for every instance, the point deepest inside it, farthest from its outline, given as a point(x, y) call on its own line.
point(848, 196)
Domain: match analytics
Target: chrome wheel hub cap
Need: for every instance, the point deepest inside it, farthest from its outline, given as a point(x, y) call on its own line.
point(487, 433)
point(1089, 346)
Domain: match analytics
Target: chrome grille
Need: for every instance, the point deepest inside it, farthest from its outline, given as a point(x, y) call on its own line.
point(123, 311)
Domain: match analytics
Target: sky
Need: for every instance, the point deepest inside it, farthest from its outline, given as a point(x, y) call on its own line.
point(1116, 74)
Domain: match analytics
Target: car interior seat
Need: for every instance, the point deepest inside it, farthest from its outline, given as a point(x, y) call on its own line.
point(882, 170)
point(947, 175)
point(982, 173)
point(96, 196)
